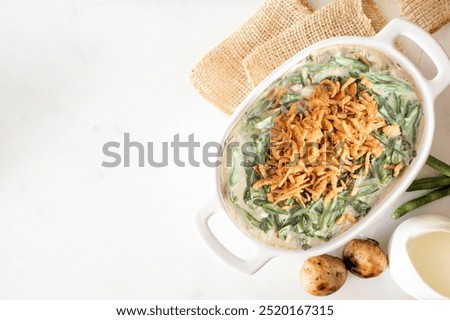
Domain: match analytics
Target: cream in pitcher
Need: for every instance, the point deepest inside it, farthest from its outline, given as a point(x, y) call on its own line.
point(420, 257)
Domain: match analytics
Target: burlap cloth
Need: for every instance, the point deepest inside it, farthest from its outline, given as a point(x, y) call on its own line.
point(220, 76)
point(280, 29)
point(428, 14)
point(339, 18)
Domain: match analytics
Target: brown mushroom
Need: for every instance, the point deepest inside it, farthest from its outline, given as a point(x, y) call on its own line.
point(364, 258)
point(323, 275)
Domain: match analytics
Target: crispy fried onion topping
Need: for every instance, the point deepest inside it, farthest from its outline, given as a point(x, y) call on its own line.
point(318, 152)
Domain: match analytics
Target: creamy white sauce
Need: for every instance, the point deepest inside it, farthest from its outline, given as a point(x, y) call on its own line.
point(430, 255)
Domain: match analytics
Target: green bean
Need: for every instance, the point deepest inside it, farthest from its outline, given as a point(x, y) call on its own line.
point(250, 195)
point(438, 165)
point(367, 189)
point(416, 203)
point(290, 97)
point(399, 102)
point(309, 223)
point(360, 206)
point(269, 207)
point(387, 82)
point(333, 209)
point(299, 77)
point(260, 108)
point(351, 63)
point(296, 79)
point(251, 176)
point(264, 224)
point(264, 124)
point(235, 163)
point(384, 108)
point(295, 216)
point(410, 122)
point(429, 183)
point(317, 67)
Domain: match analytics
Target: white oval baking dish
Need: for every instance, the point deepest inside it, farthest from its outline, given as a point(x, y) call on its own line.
point(428, 89)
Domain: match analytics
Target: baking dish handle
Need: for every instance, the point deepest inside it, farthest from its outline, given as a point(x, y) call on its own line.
point(400, 27)
point(247, 266)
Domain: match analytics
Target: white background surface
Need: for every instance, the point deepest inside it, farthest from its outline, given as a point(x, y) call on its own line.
point(77, 74)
